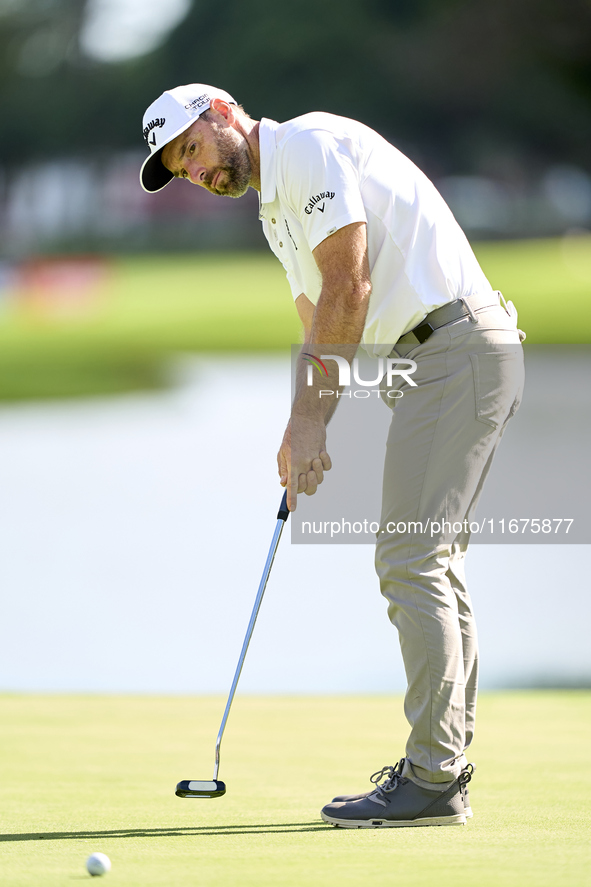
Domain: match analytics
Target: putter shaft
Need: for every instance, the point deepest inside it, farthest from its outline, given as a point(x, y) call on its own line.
point(282, 516)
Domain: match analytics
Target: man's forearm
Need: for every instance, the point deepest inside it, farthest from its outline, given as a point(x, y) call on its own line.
point(338, 324)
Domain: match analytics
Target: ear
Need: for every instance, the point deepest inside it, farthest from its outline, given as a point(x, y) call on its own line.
point(224, 109)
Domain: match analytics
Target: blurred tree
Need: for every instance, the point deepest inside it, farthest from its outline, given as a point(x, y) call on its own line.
point(463, 85)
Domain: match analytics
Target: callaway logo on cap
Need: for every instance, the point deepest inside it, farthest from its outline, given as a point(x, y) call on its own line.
point(168, 117)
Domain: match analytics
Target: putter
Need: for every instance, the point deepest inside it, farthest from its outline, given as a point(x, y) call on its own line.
point(214, 788)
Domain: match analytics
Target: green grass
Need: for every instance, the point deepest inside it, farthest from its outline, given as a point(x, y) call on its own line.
point(153, 306)
point(550, 283)
point(81, 774)
point(150, 307)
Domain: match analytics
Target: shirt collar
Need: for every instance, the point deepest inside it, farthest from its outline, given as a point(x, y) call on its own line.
point(267, 147)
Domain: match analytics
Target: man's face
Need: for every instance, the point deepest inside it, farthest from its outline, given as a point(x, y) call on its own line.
point(211, 154)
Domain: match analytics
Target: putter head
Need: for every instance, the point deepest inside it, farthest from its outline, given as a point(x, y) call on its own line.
point(193, 788)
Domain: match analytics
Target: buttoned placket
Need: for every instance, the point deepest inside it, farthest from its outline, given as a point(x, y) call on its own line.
point(273, 221)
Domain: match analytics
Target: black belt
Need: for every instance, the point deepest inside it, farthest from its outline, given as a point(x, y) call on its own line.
point(448, 313)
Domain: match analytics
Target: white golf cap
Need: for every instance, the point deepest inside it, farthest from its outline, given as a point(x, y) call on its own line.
point(168, 117)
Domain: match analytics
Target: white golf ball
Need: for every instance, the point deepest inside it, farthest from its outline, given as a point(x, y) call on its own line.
point(98, 864)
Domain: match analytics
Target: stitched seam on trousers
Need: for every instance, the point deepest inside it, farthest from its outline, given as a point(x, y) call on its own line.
point(413, 585)
point(492, 423)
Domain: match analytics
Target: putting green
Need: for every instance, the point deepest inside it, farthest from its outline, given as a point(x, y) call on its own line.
point(83, 774)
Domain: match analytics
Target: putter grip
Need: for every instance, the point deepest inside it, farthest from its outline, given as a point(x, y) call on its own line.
point(283, 512)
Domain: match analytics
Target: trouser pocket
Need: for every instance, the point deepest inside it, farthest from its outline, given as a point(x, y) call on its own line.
point(498, 384)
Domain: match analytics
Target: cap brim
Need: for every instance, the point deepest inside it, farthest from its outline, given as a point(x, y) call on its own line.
point(153, 175)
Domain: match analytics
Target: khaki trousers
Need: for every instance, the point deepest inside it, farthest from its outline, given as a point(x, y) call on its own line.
point(441, 444)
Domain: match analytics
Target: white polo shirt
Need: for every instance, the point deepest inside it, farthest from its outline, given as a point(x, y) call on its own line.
point(319, 173)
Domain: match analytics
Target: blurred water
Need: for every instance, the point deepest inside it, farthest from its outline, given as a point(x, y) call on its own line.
point(133, 531)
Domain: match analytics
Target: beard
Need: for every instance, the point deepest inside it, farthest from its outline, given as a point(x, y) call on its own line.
point(234, 163)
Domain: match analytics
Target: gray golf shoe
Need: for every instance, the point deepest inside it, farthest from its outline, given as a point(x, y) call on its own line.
point(399, 802)
point(388, 772)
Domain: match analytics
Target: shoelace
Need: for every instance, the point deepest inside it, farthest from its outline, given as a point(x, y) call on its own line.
point(466, 775)
point(393, 778)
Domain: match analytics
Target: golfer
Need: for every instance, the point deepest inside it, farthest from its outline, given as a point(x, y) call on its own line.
point(374, 257)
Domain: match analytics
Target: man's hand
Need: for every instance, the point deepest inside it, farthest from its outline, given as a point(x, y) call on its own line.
point(302, 458)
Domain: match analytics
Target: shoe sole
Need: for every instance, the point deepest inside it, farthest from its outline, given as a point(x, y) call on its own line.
point(467, 810)
point(455, 819)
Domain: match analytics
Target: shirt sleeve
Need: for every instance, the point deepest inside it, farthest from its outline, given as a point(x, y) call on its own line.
point(321, 184)
point(296, 287)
